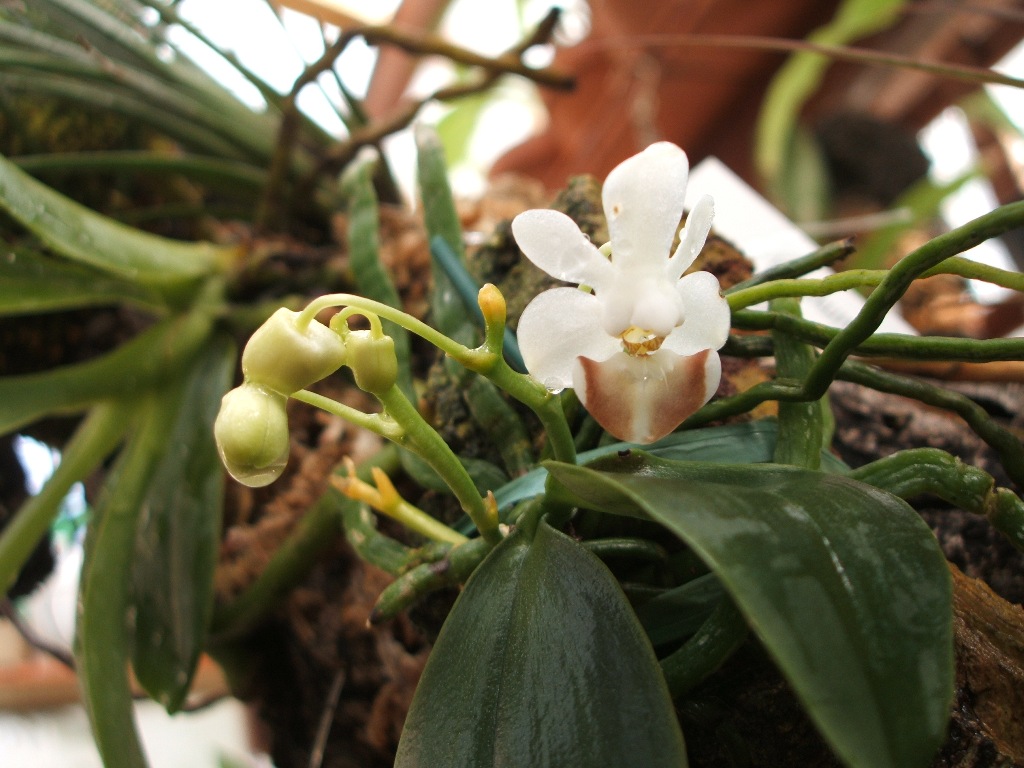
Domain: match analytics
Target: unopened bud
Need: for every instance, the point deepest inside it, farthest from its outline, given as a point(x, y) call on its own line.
point(252, 434)
point(373, 361)
point(281, 357)
point(492, 305)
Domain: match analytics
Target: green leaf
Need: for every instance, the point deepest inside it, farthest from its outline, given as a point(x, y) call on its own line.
point(35, 283)
point(102, 636)
point(74, 231)
point(363, 239)
point(150, 357)
point(442, 220)
point(542, 663)
point(177, 542)
point(93, 440)
point(744, 443)
point(843, 583)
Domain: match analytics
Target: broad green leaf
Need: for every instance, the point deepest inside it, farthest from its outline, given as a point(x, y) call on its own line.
point(745, 443)
point(843, 583)
point(74, 231)
point(35, 283)
point(541, 663)
point(177, 542)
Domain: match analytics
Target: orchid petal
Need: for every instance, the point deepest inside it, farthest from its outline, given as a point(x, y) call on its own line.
point(643, 202)
point(693, 236)
point(707, 316)
point(642, 399)
point(558, 326)
point(554, 242)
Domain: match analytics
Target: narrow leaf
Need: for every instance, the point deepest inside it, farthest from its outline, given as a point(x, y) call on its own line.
point(79, 233)
point(102, 638)
point(35, 283)
point(176, 547)
point(442, 220)
point(800, 76)
point(151, 356)
point(94, 439)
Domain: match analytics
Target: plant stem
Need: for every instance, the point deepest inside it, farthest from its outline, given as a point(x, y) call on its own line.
point(896, 284)
point(377, 423)
point(896, 345)
point(423, 440)
point(823, 257)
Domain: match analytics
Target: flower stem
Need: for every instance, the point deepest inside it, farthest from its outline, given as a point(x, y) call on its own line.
point(484, 360)
point(419, 437)
point(377, 423)
point(449, 346)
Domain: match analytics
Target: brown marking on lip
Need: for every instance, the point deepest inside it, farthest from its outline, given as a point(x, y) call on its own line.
point(667, 401)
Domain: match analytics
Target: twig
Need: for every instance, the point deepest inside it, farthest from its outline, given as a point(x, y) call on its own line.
point(323, 729)
point(838, 52)
point(420, 44)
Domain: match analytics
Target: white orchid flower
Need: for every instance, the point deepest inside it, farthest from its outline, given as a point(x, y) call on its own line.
point(641, 348)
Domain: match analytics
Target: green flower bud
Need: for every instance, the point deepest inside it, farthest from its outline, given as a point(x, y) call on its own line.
point(373, 361)
point(281, 357)
point(252, 434)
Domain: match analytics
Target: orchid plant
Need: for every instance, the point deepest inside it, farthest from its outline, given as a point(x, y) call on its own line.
point(613, 551)
point(621, 552)
point(604, 584)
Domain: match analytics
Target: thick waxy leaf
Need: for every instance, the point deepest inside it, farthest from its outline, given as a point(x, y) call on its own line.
point(843, 583)
point(176, 547)
point(746, 443)
point(542, 663)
